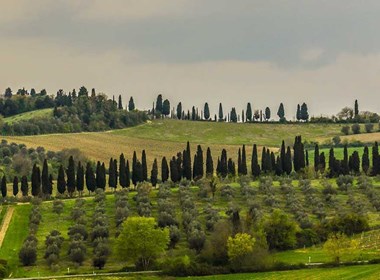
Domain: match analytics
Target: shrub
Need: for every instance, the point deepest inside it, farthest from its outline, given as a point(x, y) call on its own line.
point(355, 128)
point(28, 253)
point(368, 127)
point(345, 130)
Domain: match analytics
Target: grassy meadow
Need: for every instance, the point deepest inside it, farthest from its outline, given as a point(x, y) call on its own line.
point(29, 115)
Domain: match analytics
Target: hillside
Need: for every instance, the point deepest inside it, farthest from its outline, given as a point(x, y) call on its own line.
point(167, 137)
point(29, 115)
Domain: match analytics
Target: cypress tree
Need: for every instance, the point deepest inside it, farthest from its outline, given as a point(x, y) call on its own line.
point(80, 178)
point(164, 170)
point(206, 112)
point(244, 169)
point(322, 162)
point(307, 158)
point(248, 113)
point(24, 186)
point(356, 110)
point(134, 169)
point(4, 186)
point(15, 186)
point(131, 104)
point(375, 159)
point(120, 103)
point(122, 172)
point(111, 174)
point(198, 166)
point(50, 184)
point(159, 105)
point(281, 113)
point(154, 173)
point(299, 154)
point(209, 163)
point(283, 156)
point(98, 175)
point(116, 173)
point(278, 168)
point(61, 182)
point(45, 178)
point(90, 178)
point(298, 114)
point(316, 158)
point(264, 166)
point(71, 176)
point(187, 162)
point(355, 162)
point(267, 113)
point(193, 114)
point(103, 176)
point(128, 174)
point(365, 160)
point(231, 167)
point(255, 168)
point(239, 162)
point(304, 112)
point(233, 115)
point(223, 164)
point(288, 162)
point(332, 162)
point(179, 165)
point(221, 115)
point(179, 111)
point(36, 180)
point(218, 168)
point(345, 167)
point(272, 161)
point(166, 107)
point(144, 167)
point(174, 174)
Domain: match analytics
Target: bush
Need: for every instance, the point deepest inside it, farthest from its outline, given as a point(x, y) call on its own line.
point(355, 128)
point(345, 130)
point(28, 253)
point(368, 127)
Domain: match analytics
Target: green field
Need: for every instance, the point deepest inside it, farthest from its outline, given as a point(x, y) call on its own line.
point(29, 115)
point(19, 225)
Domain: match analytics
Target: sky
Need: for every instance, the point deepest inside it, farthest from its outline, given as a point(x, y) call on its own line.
point(322, 52)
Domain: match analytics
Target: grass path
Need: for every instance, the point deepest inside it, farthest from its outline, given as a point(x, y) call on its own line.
point(5, 224)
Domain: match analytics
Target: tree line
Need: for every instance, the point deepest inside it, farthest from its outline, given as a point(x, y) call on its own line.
point(77, 176)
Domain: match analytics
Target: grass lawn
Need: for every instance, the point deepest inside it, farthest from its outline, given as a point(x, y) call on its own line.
point(29, 115)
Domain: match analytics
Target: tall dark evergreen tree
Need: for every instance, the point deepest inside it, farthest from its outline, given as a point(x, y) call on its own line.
point(144, 167)
point(278, 169)
point(179, 111)
point(98, 175)
point(332, 162)
point(80, 178)
point(316, 158)
point(233, 115)
point(267, 113)
point(209, 163)
point(304, 112)
point(356, 110)
point(187, 162)
point(159, 105)
point(90, 178)
point(307, 158)
point(71, 176)
point(288, 161)
point(4, 187)
point(264, 166)
point(198, 165)
point(36, 181)
point(134, 169)
point(61, 182)
point(45, 178)
point(221, 115)
point(298, 114)
point(131, 104)
point(164, 170)
point(365, 160)
point(281, 113)
point(154, 173)
point(345, 167)
point(255, 168)
point(24, 186)
point(128, 174)
point(299, 154)
point(248, 113)
point(223, 164)
point(120, 103)
point(166, 107)
point(15, 186)
point(244, 169)
point(322, 162)
point(283, 156)
point(122, 172)
point(239, 162)
point(206, 112)
point(231, 167)
point(355, 166)
point(103, 172)
point(174, 172)
point(375, 159)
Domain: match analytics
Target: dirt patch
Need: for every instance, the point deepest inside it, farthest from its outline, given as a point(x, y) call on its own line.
point(5, 224)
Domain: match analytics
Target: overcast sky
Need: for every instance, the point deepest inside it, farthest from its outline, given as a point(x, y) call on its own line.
point(324, 53)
